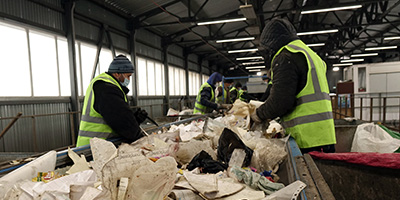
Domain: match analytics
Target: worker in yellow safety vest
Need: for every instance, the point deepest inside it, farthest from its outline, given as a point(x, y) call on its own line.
point(299, 92)
point(234, 92)
point(205, 100)
point(106, 112)
point(223, 97)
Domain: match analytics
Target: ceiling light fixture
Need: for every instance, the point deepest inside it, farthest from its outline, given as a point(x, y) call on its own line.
point(318, 32)
point(253, 63)
point(352, 60)
point(250, 58)
point(258, 73)
point(330, 9)
point(255, 67)
point(392, 38)
point(364, 54)
point(380, 48)
point(342, 64)
point(236, 39)
point(315, 45)
point(242, 50)
point(222, 21)
point(335, 69)
point(254, 70)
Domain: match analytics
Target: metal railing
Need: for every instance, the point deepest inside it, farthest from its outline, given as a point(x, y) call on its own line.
point(376, 107)
point(34, 131)
point(151, 108)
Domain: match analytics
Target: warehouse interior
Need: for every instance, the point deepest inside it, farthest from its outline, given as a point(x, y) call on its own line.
point(52, 49)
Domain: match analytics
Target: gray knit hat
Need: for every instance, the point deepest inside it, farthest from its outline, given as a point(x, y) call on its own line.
point(121, 64)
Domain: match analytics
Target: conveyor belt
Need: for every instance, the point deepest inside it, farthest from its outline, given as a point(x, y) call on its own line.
point(62, 153)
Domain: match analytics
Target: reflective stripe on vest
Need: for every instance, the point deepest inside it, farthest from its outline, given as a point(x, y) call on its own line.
point(241, 94)
point(92, 123)
point(198, 107)
point(311, 122)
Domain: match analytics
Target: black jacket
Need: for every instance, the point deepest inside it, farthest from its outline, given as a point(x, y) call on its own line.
point(289, 78)
point(266, 93)
point(110, 103)
point(206, 97)
point(234, 95)
point(289, 69)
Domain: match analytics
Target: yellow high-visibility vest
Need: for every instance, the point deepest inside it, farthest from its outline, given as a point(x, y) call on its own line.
point(311, 122)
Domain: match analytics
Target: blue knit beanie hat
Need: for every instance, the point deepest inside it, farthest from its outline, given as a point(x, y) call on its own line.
point(121, 64)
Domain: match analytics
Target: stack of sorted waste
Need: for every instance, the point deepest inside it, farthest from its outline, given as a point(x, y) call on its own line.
point(222, 158)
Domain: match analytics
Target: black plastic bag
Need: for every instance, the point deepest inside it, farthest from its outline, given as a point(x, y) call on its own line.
point(227, 143)
point(204, 161)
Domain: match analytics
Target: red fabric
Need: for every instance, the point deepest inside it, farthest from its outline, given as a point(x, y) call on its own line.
point(387, 160)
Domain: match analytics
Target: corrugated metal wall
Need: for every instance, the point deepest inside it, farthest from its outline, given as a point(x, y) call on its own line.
point(36, 14)
point(175, 56)
point(149, 38)
point(156, 110)
point(51, 131)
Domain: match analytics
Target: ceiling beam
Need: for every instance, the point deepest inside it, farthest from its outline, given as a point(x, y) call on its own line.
point(155, 11)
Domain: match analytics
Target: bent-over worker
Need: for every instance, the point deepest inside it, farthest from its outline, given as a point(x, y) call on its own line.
point(205, 100)
point(299, 92)
point(106, 112)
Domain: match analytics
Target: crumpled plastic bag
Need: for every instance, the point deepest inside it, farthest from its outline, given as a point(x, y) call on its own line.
point(255, 103)
point(153, 181)
point(242, 111)
point(172, 112)
point(268, 155)
point(275, 129)
point(254, 180)
point(188, 150)
point(127, 161)
point(213, 129)
point(228, 142)
point(206, 163)
point(190, 131)
point(212, 187)
point(372, 138)
point(44, 163)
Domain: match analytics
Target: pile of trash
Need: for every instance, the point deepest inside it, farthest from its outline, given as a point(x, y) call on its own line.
point(221, 158)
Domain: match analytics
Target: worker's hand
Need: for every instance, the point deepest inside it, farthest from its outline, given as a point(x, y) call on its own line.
point(255, 117)
point(140, 115)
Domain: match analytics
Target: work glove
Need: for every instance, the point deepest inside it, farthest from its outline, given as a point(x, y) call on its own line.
point(140, 115)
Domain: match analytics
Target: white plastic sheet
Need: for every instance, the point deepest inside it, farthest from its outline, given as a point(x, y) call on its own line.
point(267, 154)
point(44, 163)
point(372, 138)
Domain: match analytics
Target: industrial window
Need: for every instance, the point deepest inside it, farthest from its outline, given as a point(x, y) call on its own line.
point(105, 59)
point(150, 77)
point(87, 56)
point(14, 62)
point(41, 64)
point(177, 81)
point(44, 64)
point(194, 83)
point(63, 67)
